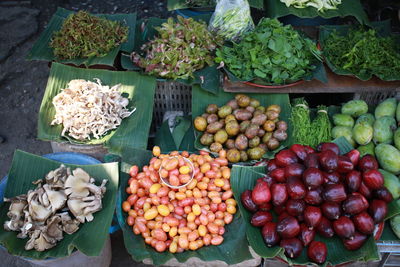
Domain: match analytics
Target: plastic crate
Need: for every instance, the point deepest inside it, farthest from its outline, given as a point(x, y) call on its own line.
point(170, 96)
point(374, 98)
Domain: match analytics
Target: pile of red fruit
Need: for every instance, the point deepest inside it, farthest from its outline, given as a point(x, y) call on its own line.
point(318, 192)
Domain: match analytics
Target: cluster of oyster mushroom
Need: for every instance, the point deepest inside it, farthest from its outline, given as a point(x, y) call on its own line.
point(61, 202)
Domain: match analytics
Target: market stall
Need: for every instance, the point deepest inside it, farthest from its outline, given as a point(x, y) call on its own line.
point(209, 156)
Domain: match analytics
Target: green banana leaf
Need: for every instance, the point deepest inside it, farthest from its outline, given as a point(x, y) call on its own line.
point(208, 78)
point(201, 98)
point(233, 250)
point(243, 178)
point(90, 237)
point(388, 234)
point(277, 9)
point(133, 131)
point(382, 27)
point(42, 51)
point(182, 4)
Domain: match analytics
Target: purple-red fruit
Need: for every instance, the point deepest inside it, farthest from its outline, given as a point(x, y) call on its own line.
point(311, 161)
point(285, 157)
point(312, 216)
point(295, 169)
point(279, 194)
point(295, 207)
point(306, 234)
point(331, 177)
point(329, 146)
point(260, 218)
point(309, 149)
point(354, 156)
point(355, 243)
point(292, 246)
point(271, 165)
point(270, 235)
point(288, 227)
point(283, 215)
point(314, 196)
point(344, 165)
point(328, 160)
point(278, 175)
point(295, 188)
point(383, 194)
point(279, 209)
point(331, 210)
point(344, 227)
point(334, 193)
point(313, 178)
point(317, 252)
point(325, 228)
point(364, 223)
point(364, 190)
point(299, 150)
point(247, 202)
point(355, 204)
point(265, 206)
point(353, 181)
point(378, 210)
point(368, 162)
point(261, 193)
point(266, 178)
point(373, 179)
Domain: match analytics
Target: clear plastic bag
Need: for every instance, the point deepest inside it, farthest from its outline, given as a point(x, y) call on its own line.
point(231, 19)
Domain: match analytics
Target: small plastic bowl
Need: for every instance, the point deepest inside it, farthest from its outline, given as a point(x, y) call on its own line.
point(166, 181)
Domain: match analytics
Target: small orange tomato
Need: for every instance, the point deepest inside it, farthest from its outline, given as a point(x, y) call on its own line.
point(126, 206)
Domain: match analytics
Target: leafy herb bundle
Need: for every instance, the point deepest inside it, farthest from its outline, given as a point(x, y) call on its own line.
point(321, 128)
point(181, 48)
point(274, 53)
point(83, 35)
point(364, 53)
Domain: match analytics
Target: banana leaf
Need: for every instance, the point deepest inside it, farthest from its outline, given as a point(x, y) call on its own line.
point(388, 234)
point(182, 4)
point(233, 250)
point(90, 237)
point(277, 9)
point(41, 50)
point(208, 78)
point(201, 98)
point(133, 131)
point(383, 28)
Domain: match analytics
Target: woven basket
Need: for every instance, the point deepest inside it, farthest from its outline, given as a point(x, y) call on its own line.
point(374, 98)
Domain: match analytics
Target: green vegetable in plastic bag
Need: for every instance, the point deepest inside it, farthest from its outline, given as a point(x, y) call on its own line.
point(320, 5)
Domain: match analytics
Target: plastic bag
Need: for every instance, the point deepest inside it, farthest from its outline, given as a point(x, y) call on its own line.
point(231, 19)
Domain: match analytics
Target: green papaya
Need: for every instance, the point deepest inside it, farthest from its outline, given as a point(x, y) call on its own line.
point(388, 157)
point(392, 183)
point(340, 119)
point(386, 108)
point(367, 149)
point(398, 112)
point(395, 224)
point(367, 117)
point(344, 131)
point(363, 133)
point(383, 130)
point(355, 108)
point(396, 138)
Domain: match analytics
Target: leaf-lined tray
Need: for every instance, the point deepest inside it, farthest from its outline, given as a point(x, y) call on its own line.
point(133, 131)
point(208, 77)
point(182, 4)
point(90, 237)
point(233, 250)
point(41, 50)
point(277, 9)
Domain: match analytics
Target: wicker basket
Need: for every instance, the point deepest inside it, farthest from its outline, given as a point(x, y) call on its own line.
point(170, 96)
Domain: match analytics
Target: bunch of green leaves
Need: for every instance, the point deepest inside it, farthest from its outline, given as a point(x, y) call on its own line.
point(321, 128)
point(364, 53)
point(200, 3)
point(274, 53)
point(83, 35)
point(320, 5)
point(181, 48)
point(301, 122)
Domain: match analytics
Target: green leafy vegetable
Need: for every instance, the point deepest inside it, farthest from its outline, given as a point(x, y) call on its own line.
point(84, 36)
point(321, 128)
point(364, 53)
point(181, 48)
point(273, 53)
point(320, 5)
point(301, 122)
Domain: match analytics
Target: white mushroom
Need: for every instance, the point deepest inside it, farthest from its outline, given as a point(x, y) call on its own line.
point(16, 215)
point(57, 198)
point(69, 225)
point(54, 229)
point(36, 209)
point(83, 208)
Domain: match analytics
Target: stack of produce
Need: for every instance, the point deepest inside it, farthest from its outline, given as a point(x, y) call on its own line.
point(180, 48)
point(318, 192)
point(83, 36)
point(320, 5)
point(244, 127)
point(272, 53)
point(181, 219)
point(59, 204)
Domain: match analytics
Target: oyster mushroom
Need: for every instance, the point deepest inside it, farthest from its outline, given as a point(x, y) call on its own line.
point(69, 225)
point(36, 209)
point(16, 215)
point(56, 178)
point(57, 199)
point(83, 208)
point(79, 184)
point(41, 243)
point(54, 228)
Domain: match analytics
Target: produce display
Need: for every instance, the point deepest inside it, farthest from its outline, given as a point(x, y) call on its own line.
point(320, 5)
point(59, 204)
point(181, 47)
point(272, 54)
point(182, 219)
point(200, 3)
point(89, 109)
point(243, 126)
point(306, 131)
point(83, 35)
point(364, 53)
point(318, 192)
point(231, 19)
